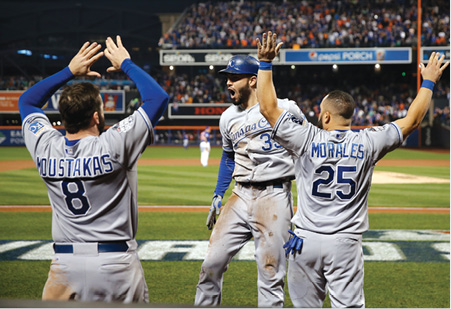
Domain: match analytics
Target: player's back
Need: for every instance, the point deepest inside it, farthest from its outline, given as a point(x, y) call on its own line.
point(92, 182)
point(333, 172)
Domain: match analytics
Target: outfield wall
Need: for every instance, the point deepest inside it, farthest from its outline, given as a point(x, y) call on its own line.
point(173, 135)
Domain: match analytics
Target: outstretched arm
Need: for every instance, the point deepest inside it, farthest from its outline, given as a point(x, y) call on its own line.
point(266, 93)
point(419, 107)
point(155, 99)
point(32, 100)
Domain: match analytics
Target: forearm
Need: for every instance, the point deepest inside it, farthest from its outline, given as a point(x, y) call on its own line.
point(32, 100)
point(266, 94)
point(416, 112)
point(155, 99)
point(226, 168)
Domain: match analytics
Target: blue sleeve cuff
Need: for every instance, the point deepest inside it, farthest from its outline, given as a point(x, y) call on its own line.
point(429, 84)
point(265, 66)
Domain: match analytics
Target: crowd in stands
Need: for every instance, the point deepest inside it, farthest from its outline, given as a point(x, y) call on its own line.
point(310, 24)
point(375, 105)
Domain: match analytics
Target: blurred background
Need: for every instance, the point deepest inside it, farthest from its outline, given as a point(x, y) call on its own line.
point(370, 49)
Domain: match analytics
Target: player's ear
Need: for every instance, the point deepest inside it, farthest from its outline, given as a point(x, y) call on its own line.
point(95, 118)
point(326, 117)
point(253, 81)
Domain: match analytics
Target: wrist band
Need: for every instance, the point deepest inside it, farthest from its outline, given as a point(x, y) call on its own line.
point(265, 66)
point(429, 84)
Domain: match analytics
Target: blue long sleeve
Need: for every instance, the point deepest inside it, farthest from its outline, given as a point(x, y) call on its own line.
point(155, 99)
point(32, 100)
point(226, 167)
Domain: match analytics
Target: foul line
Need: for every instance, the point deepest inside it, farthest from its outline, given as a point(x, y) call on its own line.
point(202, 208)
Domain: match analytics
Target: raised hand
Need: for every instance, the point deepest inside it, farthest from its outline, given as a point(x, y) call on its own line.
point(81, 64)
point(115, 53)
point(268, 49)
point(434, 69)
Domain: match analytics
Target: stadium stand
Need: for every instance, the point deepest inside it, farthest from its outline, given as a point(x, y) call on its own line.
point(309, 24)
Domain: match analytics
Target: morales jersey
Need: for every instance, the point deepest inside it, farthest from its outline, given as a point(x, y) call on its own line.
point(333, 172)
point(258, 157)
point(92, 182)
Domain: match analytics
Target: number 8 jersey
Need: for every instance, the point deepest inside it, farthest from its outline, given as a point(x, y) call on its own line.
point(92, 182)
point(333, 172)
point(258, 158)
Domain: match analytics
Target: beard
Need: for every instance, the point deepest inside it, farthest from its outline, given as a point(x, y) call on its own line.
point(101, 125)
point(243, 96)
point(320, 123)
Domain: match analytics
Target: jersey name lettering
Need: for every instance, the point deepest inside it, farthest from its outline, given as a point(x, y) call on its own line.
point(79, 167)
point(250, 129)
point(332, 150)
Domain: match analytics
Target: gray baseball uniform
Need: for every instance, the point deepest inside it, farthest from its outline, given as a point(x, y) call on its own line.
point(260, 207)
point(77, 176)
point(92, 187)
point(333, 175)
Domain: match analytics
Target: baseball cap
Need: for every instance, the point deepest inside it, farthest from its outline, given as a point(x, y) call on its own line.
point(241, 64)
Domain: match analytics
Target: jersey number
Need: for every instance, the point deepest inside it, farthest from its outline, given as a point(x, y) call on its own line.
point(330, 174)
point(268, 142)
point(76, 201)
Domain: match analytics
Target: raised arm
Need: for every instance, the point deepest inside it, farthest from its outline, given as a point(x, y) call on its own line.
point(419, 107)
point(266, 93)
point(32, 100)
point(155, 99)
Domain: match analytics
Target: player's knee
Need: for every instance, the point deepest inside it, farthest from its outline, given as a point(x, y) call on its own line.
point(212, 269)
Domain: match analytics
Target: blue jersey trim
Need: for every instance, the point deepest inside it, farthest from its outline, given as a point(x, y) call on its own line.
point(278, 122)
point(399, 132)
point(71, 143)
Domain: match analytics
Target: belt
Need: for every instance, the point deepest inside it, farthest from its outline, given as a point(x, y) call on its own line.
point(262, 185)
point(114, 246)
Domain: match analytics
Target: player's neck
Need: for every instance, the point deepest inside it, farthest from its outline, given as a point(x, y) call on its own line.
point(251, 102)
point(92, 131)
point(339, 128)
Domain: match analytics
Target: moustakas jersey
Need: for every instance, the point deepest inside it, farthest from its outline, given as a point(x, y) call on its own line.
point(92, 182)
point(333, 172)
point(258, 158)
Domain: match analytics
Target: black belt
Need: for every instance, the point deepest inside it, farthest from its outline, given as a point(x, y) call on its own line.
point(263, 185)
point(116, 246)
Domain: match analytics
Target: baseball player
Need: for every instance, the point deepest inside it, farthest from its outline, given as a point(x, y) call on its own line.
point(205, 146)
point(334, 166)
point(91, 178)
point(185, 140)
point(261, 203)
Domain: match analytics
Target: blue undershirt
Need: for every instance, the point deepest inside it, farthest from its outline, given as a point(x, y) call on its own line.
point(226, 167)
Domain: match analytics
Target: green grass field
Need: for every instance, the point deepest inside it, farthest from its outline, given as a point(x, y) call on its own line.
point(173, 283)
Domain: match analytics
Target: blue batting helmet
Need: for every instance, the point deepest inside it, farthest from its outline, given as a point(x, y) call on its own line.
point(241, 64)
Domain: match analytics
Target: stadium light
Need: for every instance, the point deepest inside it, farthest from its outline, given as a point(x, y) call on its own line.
point(377, 67)
point(335, 68)
point(25, 52)
point(293, 67)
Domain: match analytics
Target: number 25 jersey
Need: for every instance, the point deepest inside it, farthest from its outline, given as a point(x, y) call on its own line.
point(333, 172)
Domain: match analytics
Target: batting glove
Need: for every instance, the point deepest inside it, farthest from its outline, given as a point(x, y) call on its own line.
point(215, 208)
point(294, 244)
